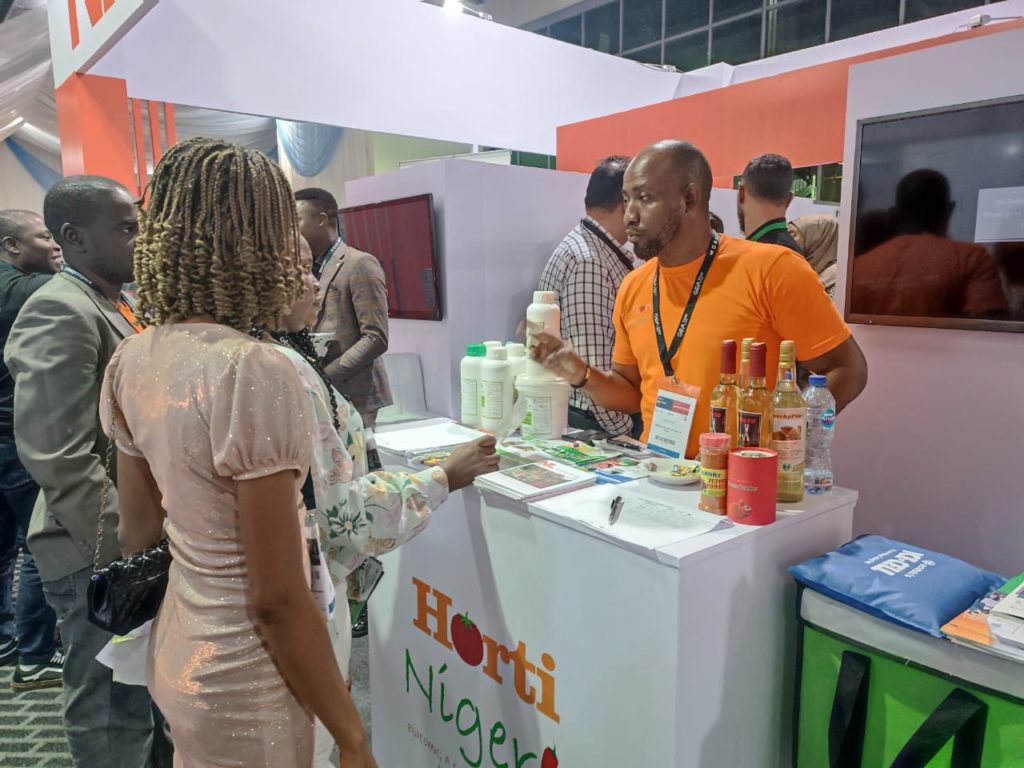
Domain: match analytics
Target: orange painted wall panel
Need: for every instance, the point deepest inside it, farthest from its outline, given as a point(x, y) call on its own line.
point(94, 126)
point(800, 114)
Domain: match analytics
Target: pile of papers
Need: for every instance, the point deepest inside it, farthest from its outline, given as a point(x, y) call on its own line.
point(531, 482)
point(646, 522)
point(429, 438)
point(995, 623)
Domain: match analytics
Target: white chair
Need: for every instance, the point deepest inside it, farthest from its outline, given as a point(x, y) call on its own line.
point(405, 375)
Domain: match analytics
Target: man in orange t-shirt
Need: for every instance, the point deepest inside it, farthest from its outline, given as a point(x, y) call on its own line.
point(750, 290)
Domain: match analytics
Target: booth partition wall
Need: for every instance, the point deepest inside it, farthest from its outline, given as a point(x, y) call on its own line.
point(689, 34)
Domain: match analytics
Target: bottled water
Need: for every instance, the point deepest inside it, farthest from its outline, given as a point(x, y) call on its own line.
point(821, 421)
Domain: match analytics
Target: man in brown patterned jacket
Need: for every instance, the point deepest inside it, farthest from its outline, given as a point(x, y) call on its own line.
point(353, 308)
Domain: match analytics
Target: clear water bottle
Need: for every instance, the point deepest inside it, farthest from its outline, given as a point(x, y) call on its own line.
point(821, 422)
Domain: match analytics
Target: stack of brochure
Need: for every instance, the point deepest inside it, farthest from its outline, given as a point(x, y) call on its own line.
point(995, 623)
point(425, 438)
point(531, 482)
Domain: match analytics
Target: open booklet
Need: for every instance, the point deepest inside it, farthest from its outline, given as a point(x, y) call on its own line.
point(531, 482)
point(648, 520)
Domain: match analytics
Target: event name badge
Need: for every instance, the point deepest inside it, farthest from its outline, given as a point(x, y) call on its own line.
point(673, 418)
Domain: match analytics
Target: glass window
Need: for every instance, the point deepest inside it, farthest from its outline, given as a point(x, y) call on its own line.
point(726, 9)
point(601, 28)
point(641, 23)
point(568, 30)
point(831, 183)
point(858, 17)
point(690, 52)
point(649, 55)
point(685, 16)
point(796, 26)
point(736, 42)
point(925, 9)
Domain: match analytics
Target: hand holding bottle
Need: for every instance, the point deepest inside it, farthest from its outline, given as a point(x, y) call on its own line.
point(559, 357)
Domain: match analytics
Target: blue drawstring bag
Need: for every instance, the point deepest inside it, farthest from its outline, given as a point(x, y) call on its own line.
point(904, 584)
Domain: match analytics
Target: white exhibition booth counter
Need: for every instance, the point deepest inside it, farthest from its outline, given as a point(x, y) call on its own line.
point(604, 654)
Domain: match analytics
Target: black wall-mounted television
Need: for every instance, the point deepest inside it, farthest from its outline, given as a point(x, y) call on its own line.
point(938, 219)
point(400, 233)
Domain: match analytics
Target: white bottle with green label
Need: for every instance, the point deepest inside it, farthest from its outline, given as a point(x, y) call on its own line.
point(469, 371)
point(496, 389)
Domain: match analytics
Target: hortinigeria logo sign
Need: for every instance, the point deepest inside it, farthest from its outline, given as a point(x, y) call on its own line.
point(533, 683)
point(896, 563)
point(95, 10)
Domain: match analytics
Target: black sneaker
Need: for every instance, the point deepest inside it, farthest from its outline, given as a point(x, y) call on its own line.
point(46, 675)
point(362, 626)
point(8, 652)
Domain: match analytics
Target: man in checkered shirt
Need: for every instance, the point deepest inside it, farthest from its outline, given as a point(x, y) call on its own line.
point(585, 271)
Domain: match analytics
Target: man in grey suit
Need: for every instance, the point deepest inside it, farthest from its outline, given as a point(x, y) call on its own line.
point(353, 307)
point(57, 353)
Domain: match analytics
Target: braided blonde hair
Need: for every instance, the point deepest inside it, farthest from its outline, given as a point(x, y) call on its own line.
point(218, 238)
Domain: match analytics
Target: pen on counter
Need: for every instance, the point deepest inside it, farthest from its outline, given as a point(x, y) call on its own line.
point(617, 505)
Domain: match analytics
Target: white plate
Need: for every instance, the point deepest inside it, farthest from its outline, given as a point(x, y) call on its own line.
point(667, 471)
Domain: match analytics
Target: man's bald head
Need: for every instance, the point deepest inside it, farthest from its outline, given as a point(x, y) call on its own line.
point(667, 189)
point(685, 160)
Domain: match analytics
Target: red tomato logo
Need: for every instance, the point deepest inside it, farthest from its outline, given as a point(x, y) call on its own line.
point(549, 759)
point(466, 638)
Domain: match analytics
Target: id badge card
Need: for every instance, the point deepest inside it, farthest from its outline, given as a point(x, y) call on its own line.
point(320, 582)
point(673, 418)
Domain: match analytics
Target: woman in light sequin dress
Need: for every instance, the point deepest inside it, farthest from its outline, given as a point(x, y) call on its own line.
point(360, 514)
point(214, 432)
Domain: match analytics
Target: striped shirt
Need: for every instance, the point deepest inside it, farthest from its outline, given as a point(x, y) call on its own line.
point(585, 273)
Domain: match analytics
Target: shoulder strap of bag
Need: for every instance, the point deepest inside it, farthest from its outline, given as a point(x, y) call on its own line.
point(108, 459)
point(961, 717)
point(849, 712)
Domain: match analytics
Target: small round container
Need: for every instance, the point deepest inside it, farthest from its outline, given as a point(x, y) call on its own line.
point(714, 470)
point(752, 485)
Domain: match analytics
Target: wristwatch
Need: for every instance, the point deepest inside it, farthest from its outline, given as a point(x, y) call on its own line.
point(582, 384)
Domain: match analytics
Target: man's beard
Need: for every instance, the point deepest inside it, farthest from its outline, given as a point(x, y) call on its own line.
point(742, 218)
point(648, 249)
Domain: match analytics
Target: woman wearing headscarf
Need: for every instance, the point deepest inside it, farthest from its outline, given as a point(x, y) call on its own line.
point(818, 236)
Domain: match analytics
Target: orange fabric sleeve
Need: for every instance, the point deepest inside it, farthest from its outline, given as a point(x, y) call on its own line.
point(622, 352)
point(800, 309)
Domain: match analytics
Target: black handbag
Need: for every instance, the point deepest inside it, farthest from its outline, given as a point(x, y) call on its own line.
point(128, 592)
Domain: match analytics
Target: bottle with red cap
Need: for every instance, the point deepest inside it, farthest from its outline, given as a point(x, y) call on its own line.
point(755, 413)
point(725, 398)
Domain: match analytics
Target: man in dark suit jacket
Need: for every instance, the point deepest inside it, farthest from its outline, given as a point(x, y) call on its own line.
point(57, 353)
point(353, 307)
point(29, 256)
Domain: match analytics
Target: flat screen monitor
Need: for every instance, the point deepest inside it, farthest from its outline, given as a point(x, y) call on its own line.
point(400, 233)
point(938, 219)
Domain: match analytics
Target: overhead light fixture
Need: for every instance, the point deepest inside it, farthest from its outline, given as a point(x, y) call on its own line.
point(983, 18)
point(455, 7)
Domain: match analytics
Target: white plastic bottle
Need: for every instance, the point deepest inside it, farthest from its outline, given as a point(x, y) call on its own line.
point(469, 371)
point(543, 315)
point(821, 421)
point(516, 359)
point(492, 344)
point(496, 390)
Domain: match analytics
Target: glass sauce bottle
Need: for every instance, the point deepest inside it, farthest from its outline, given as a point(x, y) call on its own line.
point(755, 414)
point(725, 398)
point(789, 421)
